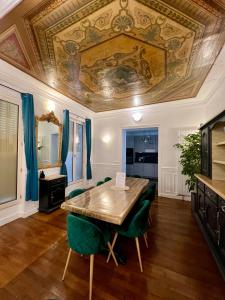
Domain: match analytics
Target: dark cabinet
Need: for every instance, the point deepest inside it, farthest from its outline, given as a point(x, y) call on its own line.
point(51, 193)
point(209, 210)
point(201, 204)
point(221, 222)
point(211, 218)
point(208, 205)
point(205, 152)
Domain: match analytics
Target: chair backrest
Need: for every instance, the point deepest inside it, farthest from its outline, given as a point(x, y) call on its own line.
point(108, 179)
point(100, 183)
point(76, 192)
point(84, 237)
point(149, 193)
point(139, 222)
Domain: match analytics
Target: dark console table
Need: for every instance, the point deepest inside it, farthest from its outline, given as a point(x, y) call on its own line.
point(51, 192)
point(209, 203)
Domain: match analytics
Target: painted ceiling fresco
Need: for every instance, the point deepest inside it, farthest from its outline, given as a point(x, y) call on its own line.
point(116, 54)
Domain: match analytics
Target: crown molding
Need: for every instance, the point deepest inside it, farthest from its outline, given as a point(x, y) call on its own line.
point(7, 5)
point(15, 78)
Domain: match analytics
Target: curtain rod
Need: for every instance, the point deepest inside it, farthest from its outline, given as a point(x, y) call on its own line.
point(8, 87)
point(71, 113)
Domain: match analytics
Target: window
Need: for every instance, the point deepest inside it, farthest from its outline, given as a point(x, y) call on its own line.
point(74, 161)
point(8, 151)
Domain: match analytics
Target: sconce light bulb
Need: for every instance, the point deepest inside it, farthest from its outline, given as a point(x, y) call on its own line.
point(137, 116)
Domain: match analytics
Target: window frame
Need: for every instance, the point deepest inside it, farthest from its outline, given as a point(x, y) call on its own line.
point(13, 98)
point(77, 121)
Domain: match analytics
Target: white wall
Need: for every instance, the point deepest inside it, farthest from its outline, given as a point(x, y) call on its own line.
point(216, 103)
point(16, 79)
point(171, 118)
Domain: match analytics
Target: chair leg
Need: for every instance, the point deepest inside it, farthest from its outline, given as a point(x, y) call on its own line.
point(67, 263)
point(139, 253)
point(113, 243)
point(111, 251)
point(146, 240)
point(91, 275)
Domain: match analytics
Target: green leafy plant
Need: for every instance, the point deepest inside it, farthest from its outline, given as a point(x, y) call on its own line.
point(190, 158)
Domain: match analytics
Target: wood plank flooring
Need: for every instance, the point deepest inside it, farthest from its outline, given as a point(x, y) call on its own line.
point(177, 265)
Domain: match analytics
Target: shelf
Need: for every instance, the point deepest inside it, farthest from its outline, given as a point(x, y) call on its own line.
point(221, 162)
point(221, 144)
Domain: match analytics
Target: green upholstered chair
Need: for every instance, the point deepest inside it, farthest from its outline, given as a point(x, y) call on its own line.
point(150, 192)
point(76, 192)
point(150, 195)
point(107, 179)
point(100, 183)
point(85, 237)
point(134, 226)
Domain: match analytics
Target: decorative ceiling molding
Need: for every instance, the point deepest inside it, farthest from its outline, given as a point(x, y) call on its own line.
point(13, 50)
point(118, 54)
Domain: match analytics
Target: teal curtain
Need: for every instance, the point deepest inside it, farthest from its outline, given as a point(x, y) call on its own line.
point(65, 142)
point(88, 143)
point(30, 147)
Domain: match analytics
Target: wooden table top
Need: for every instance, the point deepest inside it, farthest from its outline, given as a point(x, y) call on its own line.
point(218, 186)
point(106, 204)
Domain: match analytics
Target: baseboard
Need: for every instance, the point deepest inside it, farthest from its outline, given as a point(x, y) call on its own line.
point(9, 218)
point(174, 196)
point(30, 212)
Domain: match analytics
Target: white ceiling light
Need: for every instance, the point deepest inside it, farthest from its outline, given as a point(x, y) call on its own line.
point(137, 116)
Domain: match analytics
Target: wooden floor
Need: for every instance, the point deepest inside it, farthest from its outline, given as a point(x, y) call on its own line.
point(177, 265)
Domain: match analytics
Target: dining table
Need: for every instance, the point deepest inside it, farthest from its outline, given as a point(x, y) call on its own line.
point(107, 202)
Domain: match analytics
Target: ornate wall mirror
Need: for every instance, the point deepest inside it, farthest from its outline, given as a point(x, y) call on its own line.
point(49, 141)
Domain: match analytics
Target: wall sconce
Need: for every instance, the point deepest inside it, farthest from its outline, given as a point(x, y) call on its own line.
point(137, 116)
point(106, 139)
point(50, 106)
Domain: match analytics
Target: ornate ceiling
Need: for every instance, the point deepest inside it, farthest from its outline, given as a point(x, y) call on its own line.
point(116, 54)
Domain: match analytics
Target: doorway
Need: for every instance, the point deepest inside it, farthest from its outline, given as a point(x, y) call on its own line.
point(140, 153)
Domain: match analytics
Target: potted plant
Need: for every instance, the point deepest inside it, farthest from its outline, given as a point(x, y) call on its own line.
point(190, 158)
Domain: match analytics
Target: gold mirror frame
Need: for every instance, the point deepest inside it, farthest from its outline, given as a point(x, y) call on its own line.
point(50, 118)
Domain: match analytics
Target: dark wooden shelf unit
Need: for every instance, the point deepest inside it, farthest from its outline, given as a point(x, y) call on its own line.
point(209, 202)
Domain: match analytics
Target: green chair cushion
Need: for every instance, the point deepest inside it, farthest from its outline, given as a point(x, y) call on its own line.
point(100, 183)
point(149, 193)
point(136, 224)
point(107, 179)
point(84, 236)
point(76, 192)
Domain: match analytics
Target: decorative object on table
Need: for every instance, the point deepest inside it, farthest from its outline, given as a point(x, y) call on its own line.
point(96, 239)
point(190, 158)
point(120, 182)
point(134, 226)
point(51, 192)
point(42, 174)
